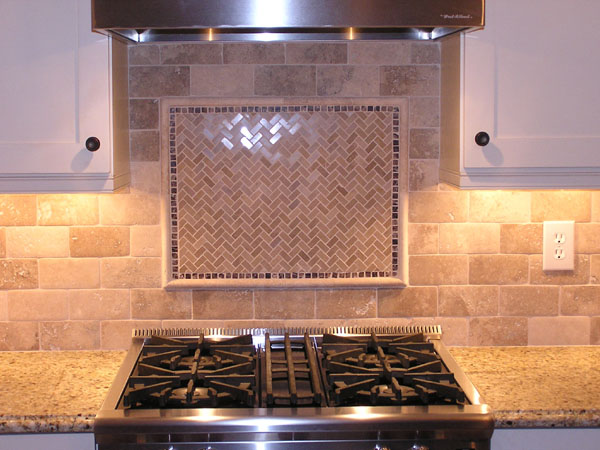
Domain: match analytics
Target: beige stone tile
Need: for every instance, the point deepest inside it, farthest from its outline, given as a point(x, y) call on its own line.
point(580, 301)
point(455, 331)
point(559, 331)
point(67, 209)
point(346, 303)
point(427, 207)
point(19, 336)
point(469, 238)
point(284, 304)
point(18, 274)
point(116, 334)
point(394, 52)
point(144, 145)
point(146, 241)
point(468, 301)
point(215, 81)
point(79, 335)
point(423, 81)
point(145, 178)
point(521, 238)
point(130, 272)
point(499, 206)
point(160, 304)
point(143, 114)
point(594, 330)
point(498, 331)
point(37, 242)
point(316, 53)
point(81, 273)
point(587, 238)
point(98, 304)
point(211, 305)
point(437, 269)
point(347, 81)
point(528, 301)
point(143, 54)
point(594, 269)
point(191, 53)
point(17, 210)
point(424, 143)
point(424, 112)
point(285, 80)
point(254, 53)
point(423, 175)
point(2, 243)
point(159, 81)
point(37, 305)
point(99, 241)
point(3, 306)
point(595, 206)
point(581, 274)
point(561, 205)
point(425, 53)
point(498, 269)
point(407, 302)
point(129, 209)
point(422, 238)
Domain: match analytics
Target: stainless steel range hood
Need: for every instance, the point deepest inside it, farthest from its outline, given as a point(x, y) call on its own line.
point(284, 20)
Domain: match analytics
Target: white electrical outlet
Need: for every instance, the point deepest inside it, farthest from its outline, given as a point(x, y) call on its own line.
point(559, 245)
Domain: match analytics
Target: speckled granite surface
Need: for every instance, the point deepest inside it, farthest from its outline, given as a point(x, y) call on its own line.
point(526, 386)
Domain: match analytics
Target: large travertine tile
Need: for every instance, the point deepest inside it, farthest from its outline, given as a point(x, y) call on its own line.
point(143, 114)
point(595, 330)
point(437, 269)
point(498, 269)
point(212, 305)
point(559, 331)
point(595, 269)
point(157, 81)
point(422, 238)
point(423, 175)
point(191, 53)
point(29, 305)
point(421, 81)
point(521, 238)
point(468, 301)
point(580, 301)
point(499, 206)
point(581, 274)
point(424, 112)
point(146, 240)
point(379, 53)
point(346, 303)
point(19, 336)
point(98, 304)
point(160, 304)
point(285, 80)
point(131, 272)
point(76, 335)
point(316, 53)
point(284, 304)
point(63, 209)
point(129, 209)
point(587, 238)
point(37, 242)
point(18, 274)
point(427, 207)
point(2, 243)
point(99, 241)
point(561, 205)
point(425, 53)
point(116, 334)
point(145, 145)
point(254, 53)
point(407, 302)
point(222, 81)
point(455, 331)
point(3, 306)
point(424, 143)
point(143, 55)
point(145, 178)
point(528, 301)
point(595, 206)
point(347, 81)
point(498, 331)
point(17, 210)
point(65, 273)
point(469, 238)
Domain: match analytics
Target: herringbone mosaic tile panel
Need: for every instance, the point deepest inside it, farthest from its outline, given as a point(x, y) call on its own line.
point(283, 192)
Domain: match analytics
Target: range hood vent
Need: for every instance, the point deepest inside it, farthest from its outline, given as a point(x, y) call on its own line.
point(284, 20)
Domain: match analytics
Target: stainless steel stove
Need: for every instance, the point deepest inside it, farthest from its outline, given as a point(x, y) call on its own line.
point(376, 388)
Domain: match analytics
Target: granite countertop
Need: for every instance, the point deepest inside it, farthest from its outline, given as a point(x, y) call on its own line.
point(525, 386)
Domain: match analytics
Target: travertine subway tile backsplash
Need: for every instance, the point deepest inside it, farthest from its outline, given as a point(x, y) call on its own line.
point(79, 271)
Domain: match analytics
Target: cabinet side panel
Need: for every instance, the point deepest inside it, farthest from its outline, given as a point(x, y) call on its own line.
point(450, 106)
point(120, 113)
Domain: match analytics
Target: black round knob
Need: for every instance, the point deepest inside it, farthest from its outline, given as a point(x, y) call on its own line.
point(92, 143)
point(482, 139)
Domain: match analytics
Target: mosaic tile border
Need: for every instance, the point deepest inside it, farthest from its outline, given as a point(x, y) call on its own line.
point(395, 193)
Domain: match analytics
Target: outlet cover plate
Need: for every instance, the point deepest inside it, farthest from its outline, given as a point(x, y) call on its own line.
point(559, 245)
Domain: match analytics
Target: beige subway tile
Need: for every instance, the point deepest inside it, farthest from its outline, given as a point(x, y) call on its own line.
point(347, 81)
point(192, 53)
point(37, 242)
point(468, 301)
point(499, 206)
point(116, 334)
point(254, 53)
point(424, 112)
point(346, 303)
point(99, 241)
point(407, 302)
point(528, 301)
point(498, 269)
point(428, 207)
point(285, 80)
point(437, 269)
point(422, 238)
point(498, 331)
point(409, 80)
point(521, 238)
point(469, 238)
point(423, 175)
point(69, 273)
point(67, 209)
point(3, 306)
point(129, 209)
point(284, 304)
point(29, 305)
point(316, 53)
point(17, 210)
point(424, 143)
point(159, 81)
point(222, 305)
point(230, 80)
point(594, 330)
point(561, 205)
point(160, 304)
point(587, 238)
point(559, 331)
point(2, 243)
point(580, 275)
point(19, 336)
point(379, 53)
point(144, 178)
point(98, 304)
point(79, 335)
point(146, 241)
point(580, 301)
point(131, 272)
point(18, 274)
